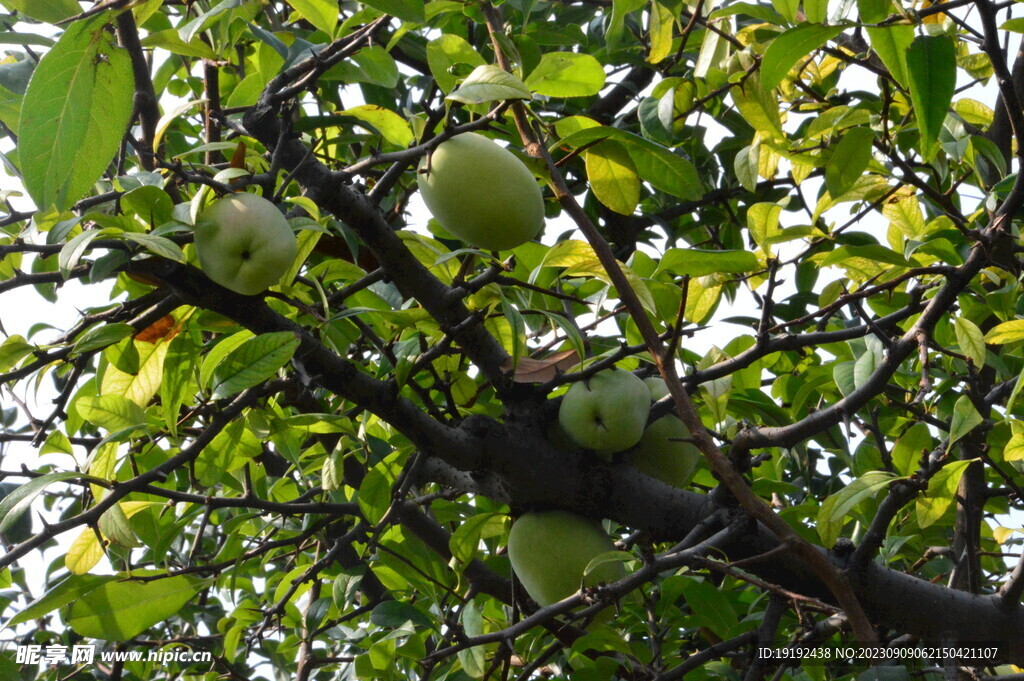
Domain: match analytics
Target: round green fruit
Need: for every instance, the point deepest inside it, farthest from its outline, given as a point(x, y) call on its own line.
point(244, 243)
point(607, 412)
point(550, 550)
point(657, 386)
point(660, 454)
point(481, 193)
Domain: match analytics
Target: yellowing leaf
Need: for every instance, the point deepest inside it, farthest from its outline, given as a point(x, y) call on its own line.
point(84, 553)
point(613, 177)
point(138, 387)
point(1007, 332)
point(941, 490)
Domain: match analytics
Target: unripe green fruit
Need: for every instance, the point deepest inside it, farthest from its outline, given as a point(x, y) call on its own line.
point(244, 243)
point(660, 454)
point(607, 412)
point(550, 550)
point(657, 386)
point(481, 193)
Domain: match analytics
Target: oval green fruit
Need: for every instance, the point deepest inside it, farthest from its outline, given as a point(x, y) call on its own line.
point(244, 243)
point(550, 550)
point(481, 193)
point(660, 453)
point(607, 412)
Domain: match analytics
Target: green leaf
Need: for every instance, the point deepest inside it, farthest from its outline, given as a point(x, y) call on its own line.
point(47, 11)
point(931, 73)
point(66, 591)
point(445, 53)
point(76, 109)
point(120, 610)
point(394, 614)
point(613, 177)
point(849, 159)
point(843, 375)
point(873, 252)
point(489, 83)
point(661, 28)
point(665, 170)
point(113, 524)
point(1014, 25)
point(889, 42)
point(157, 245)
point(465, 541)
point(696, 262)
point(14, 349)
point(20, 499)
point(1014, 450)
point(965, 419)
point(390, 125)
point(406, 10)
point(785, 51)
point(605, 558)
point(710, 607)
point(654, 163)
point(745, 166)
point(321, 13)
point(907, 451)
point(835, 509)
point(375, 493)
point(970, 340)
point(763, 222)
point(1007, 332)
point(113, 413)
point(787, 8)
point(941, 493)
point(758, 107)
point(253, 362)
point(865, 365)
point(73, 251)
point(566, 74)
point(101, 336)
point(218, 354)
point(473, 659)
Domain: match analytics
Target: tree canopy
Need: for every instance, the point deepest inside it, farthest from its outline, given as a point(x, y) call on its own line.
point(801, 216)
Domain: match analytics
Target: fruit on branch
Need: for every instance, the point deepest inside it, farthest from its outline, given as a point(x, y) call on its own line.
point(244, 243)
point(607, 412)
point(660, 453)
point(481, 193)
point(550, 550)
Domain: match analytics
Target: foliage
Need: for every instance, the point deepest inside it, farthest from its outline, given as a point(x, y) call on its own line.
point(803, 216)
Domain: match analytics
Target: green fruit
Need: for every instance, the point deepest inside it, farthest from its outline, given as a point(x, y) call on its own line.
point(606, 413)
point(657, 386)
point(659, 453)
point(21, 529)
point(481, 193)
point(550, 550)
point(244, 243)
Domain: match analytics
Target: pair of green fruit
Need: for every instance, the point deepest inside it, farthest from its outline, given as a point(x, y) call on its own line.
point(608, 413)
point(477, 190)
point(550, 550)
